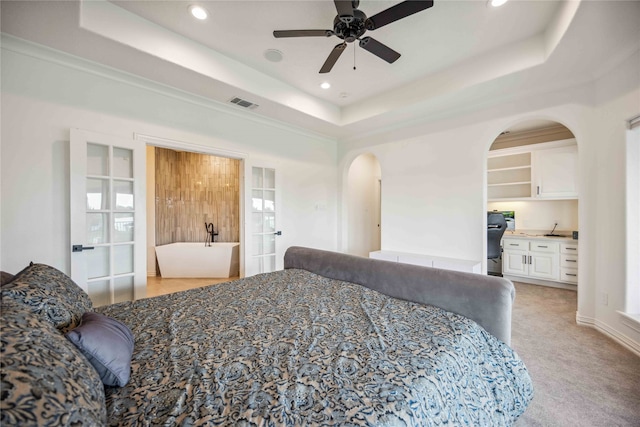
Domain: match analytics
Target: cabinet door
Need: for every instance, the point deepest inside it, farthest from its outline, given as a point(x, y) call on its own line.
point(543, 265)
point(556, 172)
point(514, 262)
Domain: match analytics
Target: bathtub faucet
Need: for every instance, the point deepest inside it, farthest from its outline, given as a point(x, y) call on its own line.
point(210, 234)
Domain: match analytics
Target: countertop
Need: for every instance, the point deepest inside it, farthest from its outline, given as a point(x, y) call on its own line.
point(565, 236)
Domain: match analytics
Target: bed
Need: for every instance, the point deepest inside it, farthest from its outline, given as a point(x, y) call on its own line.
point(332, 339)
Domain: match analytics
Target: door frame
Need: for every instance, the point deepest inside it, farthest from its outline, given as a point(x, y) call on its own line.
point(174, 144)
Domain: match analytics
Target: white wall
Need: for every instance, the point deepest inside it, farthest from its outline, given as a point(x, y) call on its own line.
point(43, 98)
point(422, 207)
point(540, 215)
point(615, 104)
point(434, 191)
point(364, 205)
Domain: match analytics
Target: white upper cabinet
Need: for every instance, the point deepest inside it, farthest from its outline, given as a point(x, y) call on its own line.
point(534, 172)
point(556, 172)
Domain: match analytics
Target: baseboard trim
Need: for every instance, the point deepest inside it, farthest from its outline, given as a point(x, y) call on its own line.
point(609, 331)
point(541, 282)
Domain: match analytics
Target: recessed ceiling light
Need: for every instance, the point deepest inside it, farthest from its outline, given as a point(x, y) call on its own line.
point(496, 3)
point(325, 85)
point(198, 12)
point(273, 55)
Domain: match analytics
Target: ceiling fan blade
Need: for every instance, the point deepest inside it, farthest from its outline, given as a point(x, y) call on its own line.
point(345, 10)
point(399, 11)
point(333, 57)
point(379, 49)
point(302, 33)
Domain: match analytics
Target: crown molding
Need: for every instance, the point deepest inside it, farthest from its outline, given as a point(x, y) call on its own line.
point(35, 50)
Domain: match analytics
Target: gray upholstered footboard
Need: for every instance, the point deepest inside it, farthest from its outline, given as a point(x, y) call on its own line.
point(484, 299)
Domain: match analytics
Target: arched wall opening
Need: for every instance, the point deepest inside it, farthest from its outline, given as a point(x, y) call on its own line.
point(532, 178)
point(363, 205)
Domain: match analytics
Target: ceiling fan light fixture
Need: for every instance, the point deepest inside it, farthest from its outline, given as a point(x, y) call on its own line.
point(198, 12)
point(325, 85)
point(350, 24)
point(496, 3)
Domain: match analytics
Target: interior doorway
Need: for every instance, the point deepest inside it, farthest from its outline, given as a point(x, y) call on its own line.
point(532, 179)
point(207, 190)
point(364, 189)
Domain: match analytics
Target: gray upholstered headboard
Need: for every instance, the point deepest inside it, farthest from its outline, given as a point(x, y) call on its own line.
point(485, 299)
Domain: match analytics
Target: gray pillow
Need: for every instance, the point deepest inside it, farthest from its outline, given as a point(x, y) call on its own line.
point(108, 344)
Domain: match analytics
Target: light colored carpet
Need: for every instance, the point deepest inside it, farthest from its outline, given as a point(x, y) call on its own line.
point(580, 376)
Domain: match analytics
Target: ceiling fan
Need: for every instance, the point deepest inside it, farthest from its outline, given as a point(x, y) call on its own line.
point(351, 23)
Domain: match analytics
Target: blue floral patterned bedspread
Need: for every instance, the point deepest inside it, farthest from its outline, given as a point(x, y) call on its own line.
point(294, 348)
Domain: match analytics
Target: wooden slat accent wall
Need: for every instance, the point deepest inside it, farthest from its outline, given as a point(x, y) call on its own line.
point(192, 189)
point(535, 136)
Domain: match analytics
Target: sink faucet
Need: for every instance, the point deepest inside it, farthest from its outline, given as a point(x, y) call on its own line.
point(210, 234)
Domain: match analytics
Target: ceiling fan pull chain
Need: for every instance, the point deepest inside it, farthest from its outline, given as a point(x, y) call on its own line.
point(354, 57)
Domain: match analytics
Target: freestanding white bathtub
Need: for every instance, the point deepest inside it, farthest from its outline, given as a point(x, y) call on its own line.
point(194, 259)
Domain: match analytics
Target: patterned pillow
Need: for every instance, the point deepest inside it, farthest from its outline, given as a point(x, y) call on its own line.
point(49, 293)
point(45, 379)
point(5, 278)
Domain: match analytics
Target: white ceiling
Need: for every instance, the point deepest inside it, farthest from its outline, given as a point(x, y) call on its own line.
point(429, 41)
point(454, 55)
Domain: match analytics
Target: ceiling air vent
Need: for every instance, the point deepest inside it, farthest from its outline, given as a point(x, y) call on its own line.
point(243, 103)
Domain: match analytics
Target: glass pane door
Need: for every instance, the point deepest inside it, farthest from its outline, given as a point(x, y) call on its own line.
point(110, 222)
point(107, 217)
point(263, 211)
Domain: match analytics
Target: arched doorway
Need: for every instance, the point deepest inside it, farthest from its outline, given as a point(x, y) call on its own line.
point(363, 205)
point(532, 179)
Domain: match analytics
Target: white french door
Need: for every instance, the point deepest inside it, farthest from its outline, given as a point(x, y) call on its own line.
point(263, 221)
point(108, 234)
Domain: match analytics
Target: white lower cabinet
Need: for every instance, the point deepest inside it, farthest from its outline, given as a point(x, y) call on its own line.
point(455, 264)
point(543, 260)
point(531, 258)
point(514, 261)
point(569, 262)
